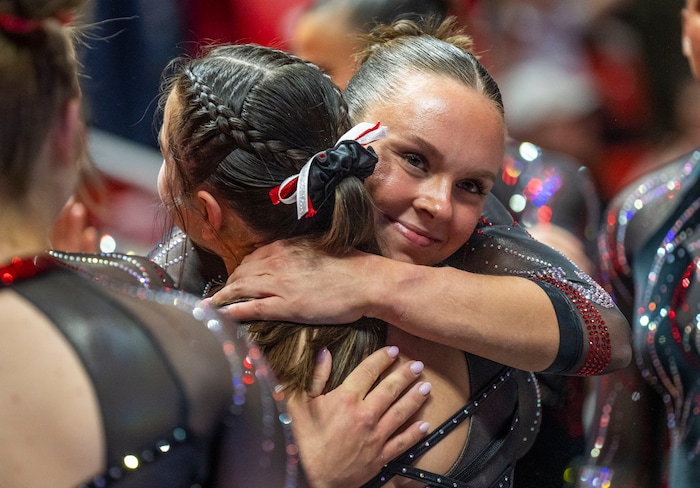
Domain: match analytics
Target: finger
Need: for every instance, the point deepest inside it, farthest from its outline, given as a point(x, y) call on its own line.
point(258, 309)
point(67, 229)
point(404, 439)
point(390, 388)
point(90, 240)
point(403, 408)
point(322, 372)
point(365, 375)
point(251, 268)
point(239, 289)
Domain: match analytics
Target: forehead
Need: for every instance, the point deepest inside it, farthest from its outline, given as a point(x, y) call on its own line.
point(430, 98)
point(322, 33)
point(446, 118)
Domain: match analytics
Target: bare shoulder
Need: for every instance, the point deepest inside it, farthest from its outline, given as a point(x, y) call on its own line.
point(44, 387)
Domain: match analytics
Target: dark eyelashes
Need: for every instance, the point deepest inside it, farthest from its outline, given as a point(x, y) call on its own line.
point(416, 160)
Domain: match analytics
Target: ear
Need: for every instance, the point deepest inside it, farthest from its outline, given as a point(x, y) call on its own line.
point(685, 40)
point(67, 132)
point(687, 48)
point(212, 214)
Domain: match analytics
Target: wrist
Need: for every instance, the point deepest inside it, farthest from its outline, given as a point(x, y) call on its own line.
point(374, 286)
point(394, 289)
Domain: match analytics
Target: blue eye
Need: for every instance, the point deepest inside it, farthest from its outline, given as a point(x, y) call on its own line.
point(473, 186)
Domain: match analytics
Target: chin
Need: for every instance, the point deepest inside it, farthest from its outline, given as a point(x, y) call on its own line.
point(408, 258)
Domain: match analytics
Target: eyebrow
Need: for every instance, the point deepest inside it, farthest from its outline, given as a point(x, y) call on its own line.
point(424, 144)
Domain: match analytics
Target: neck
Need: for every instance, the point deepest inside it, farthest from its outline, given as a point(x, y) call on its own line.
point(23, 235)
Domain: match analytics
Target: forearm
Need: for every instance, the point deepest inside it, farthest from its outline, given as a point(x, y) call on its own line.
point(509, 320)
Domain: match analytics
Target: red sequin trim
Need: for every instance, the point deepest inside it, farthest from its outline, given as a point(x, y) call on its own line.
point(599, 351)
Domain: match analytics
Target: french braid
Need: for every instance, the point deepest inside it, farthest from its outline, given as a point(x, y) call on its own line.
point(243, 119)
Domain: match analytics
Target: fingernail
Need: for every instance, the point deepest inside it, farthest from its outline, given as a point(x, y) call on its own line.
point(417, 367)
point(321, 355)
point(425, 388)
point(423, 427)
point(393, 351)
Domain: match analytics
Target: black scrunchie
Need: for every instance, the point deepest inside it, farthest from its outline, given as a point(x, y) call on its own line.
point(330, 167)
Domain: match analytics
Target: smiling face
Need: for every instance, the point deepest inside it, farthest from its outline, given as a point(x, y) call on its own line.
point(444, 146)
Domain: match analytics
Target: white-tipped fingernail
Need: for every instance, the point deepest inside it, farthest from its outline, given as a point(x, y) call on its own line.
point(393, 351)
point(417, 367)
point(425, 388)
point(423, 427)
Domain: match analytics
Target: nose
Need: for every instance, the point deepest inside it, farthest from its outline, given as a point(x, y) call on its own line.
point(435, 198)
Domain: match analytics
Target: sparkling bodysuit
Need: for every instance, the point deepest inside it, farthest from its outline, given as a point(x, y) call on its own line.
point(184, 398)
point(542, 188)
point(646, 429)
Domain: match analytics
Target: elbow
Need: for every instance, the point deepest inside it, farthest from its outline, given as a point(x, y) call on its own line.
point(620, 347)
point(620, 357)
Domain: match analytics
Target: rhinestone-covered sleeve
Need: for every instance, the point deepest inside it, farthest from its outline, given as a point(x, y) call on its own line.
point(500, 246)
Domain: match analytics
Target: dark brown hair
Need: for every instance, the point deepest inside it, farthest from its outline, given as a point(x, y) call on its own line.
point(247, 118)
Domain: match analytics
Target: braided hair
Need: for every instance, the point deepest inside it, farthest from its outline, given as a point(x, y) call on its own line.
point(248, 117)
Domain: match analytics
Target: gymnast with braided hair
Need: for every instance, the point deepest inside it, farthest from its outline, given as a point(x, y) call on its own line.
point(258, 147)
point(110, 376)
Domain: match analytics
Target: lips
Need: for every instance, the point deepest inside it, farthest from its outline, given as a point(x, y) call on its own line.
point(412, 234)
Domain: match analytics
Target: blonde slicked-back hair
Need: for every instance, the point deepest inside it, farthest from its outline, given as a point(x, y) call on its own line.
point(392, 52)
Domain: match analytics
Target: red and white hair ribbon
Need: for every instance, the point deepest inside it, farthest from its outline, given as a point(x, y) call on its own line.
point(295, 189)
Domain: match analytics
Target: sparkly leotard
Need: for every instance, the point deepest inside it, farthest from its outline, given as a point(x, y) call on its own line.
point(498, 246)
point(646, 428)
point(161, 363)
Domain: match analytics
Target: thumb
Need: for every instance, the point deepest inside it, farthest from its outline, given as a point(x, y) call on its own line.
point(322, 372)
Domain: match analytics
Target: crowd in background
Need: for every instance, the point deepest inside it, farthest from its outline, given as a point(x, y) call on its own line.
point(601, 80)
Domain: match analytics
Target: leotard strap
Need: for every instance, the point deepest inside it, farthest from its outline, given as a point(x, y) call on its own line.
point(401, 466)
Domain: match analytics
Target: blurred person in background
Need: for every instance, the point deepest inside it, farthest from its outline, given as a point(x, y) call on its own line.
point(645, 427)
point(103, 381)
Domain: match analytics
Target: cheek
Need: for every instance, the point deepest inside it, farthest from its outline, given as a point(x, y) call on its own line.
point(166, 197)
point(386, 187)
point(463, 224)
